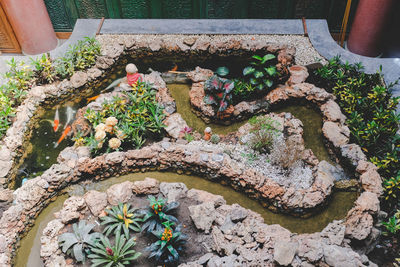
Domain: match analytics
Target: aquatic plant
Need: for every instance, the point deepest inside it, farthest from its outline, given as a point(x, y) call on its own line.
point(121, 254)
point(261, 73)
point(130, 119)
point(262, 133)
point(218, 92)
point(158, 213)
point(168, 246)
point(215, 139)
point(78, 57)
point(77, 243)
point(121, 217)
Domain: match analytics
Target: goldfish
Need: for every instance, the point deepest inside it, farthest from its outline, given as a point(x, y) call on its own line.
point(70, 115)
point(56, 122)
point(64, 134)
point(175, 68)
point(90, 99)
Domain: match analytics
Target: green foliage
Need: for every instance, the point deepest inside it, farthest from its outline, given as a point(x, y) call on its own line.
point(371, 116)
point(215, 139)
point(392, 226)
point(121, 217)
point(218, 92)
point(44, 69)
point(78, 57)
point(168, 246)
point(243, 90)
point(263, 131)
point(77, 242)
point(121, 254)
point(139, 116)
point(158, 213)
point(187, 132)
point(261, 73)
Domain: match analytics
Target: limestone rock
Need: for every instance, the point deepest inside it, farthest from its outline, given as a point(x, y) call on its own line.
point(79, 79)
point(284, 252)
point(371, 181)
point(96, 201)
point(155, 79)
point(353, 154)
point(332, 112)
point(204, 196)
point(175, 125)
point(71, 209)
point(200, 75)
point(165, 99)
point(147, 186)
point(335, 134)
point(196, 95)
point(368, 201)
point(298, 74)
point(358, 224)
point(203, 216)
point(339, 256)
point(173, 191)
point(334, 232)
point(6, 195)
point(120, 193)
point(364, 166)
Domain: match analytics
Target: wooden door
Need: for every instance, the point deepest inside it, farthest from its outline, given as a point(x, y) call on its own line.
point(8, 41)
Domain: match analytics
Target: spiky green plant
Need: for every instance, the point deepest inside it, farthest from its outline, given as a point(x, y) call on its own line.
point(168, 246)
point(77, 242)
point(121, 254)
point(121, 217)
point(157, 213)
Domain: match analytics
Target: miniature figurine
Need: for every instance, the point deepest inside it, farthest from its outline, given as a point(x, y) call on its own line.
point(207, 133)
point(132, 75)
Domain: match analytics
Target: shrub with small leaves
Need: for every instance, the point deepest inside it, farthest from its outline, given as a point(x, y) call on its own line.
point(262, 72)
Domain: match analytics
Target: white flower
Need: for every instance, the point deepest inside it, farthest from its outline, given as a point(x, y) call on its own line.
point(108, 128)
point(111, 121)
point(114, 143)
point(100, 128)
point(100, 135)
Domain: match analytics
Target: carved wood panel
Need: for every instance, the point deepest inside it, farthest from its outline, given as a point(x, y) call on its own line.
point(8, 41)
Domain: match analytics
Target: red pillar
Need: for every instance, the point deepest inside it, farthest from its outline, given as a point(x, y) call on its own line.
point(31, 24)
point(367, 31)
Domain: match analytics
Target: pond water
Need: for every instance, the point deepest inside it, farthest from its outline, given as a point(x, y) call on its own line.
point(29, 252)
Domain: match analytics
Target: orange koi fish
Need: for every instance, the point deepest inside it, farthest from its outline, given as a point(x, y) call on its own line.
point(175, 68)
point(64, 134)
point(92, 98)
point(56, 122)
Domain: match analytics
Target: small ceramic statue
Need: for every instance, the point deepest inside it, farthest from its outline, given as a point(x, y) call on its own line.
point(132, 74)
point(207, 133)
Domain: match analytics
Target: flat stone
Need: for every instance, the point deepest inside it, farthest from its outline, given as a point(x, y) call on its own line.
point(175, 125)
point(79, 79)
point(173, 191)
point(217, 157)
point(96, 201)
point(146, 187)
point(204, 196)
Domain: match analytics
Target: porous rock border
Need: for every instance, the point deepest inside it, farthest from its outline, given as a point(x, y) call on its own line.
point(35, 194)
point(236, 236)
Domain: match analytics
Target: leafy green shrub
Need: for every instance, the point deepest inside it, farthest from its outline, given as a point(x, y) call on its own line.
point(78, 57)
point(158, 213)
point(263, 131)
point(121, 217)
point(261, 74)
point(371, 116)
point(215, 139)
point(77, 242)
point(218, 92)
point(121, 254)
point(132, 118)
point(392, 226)
point(44, 69)
point(168, 246)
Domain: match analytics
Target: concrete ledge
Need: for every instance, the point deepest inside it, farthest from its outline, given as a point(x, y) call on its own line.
point(202, 26)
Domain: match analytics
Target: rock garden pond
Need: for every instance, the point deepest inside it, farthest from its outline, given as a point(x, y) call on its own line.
point(197, 150)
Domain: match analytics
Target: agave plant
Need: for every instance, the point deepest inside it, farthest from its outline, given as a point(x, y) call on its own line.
point(121, 217)
point(77, 242)
point(168, 246)
point(121, 254)
point(261, 74)
point(157, 214)
point(218, 92)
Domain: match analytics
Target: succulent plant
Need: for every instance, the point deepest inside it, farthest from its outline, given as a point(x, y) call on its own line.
point(157, 214)
point(218, 92)
point(121, 218)
point(77, 242)
point(168, 246)
point(215, 139)
point(121, 254)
